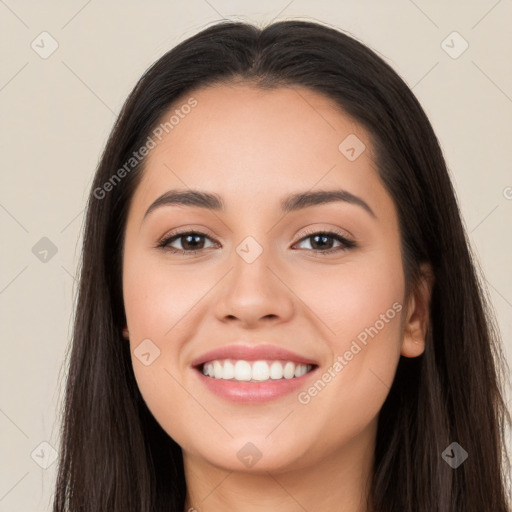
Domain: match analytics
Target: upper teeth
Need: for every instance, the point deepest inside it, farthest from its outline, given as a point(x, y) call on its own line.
point(254, 370)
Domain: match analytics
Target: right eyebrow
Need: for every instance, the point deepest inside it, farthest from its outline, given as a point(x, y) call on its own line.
point(196, 198)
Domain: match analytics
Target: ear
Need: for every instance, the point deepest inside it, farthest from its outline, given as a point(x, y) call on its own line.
point(126, 334)
point(418, 314)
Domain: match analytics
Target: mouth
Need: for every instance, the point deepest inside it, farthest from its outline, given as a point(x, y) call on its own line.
point(254, 382)
point(251, 374)
point(258, 371)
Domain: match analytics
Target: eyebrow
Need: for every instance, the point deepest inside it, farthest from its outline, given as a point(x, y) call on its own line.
point(293, 202)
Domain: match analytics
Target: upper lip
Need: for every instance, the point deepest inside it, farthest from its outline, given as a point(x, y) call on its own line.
point(252, 353)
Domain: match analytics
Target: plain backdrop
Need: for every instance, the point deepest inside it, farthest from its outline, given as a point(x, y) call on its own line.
point(58, 108)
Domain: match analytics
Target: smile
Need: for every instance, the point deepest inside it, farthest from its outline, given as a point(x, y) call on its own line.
point(254, 371)
point(254, 382)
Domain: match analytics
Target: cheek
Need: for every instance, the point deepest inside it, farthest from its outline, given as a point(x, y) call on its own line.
point(157, 296)
point(351, 297)
point(164, 303)
point(158, 302)
point(362, 306)
point(357, 309)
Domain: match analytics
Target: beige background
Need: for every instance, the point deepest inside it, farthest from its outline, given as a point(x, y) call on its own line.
point(57, 113)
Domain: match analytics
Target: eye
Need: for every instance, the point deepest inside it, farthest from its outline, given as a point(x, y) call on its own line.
point(191, 242)
point(322, 242)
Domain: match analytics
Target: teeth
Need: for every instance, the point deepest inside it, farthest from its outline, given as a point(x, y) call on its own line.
point(256, 371)
point(229, 370)
point(217, 370)
point(276, 370)
point(260, 370)
point(242, 371)
point(289, 370)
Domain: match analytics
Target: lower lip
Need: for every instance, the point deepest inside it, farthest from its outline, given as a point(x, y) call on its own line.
point(254, 392)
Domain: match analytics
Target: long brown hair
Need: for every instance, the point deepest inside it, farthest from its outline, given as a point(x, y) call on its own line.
point(115, 457)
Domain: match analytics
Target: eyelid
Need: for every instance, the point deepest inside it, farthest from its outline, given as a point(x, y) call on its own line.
point(194, 228)
point(332, 229)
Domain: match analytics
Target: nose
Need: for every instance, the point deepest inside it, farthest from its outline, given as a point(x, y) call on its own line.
point(254, 294)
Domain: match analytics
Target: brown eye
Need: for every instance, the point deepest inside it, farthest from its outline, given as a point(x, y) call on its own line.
point(323, 242)
point(190, 241)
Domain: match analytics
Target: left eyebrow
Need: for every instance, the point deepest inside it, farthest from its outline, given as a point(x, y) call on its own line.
point(294, 202)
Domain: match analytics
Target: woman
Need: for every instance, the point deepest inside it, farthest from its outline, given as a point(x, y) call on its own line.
point(278, 308)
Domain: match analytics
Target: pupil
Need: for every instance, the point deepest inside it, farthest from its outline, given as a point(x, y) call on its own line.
point(322, 243)
point(187, 243)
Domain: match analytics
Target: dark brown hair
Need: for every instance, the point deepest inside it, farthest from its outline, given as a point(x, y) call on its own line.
point(115, 457)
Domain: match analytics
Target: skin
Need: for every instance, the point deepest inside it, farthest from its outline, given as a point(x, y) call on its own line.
point(254, 147)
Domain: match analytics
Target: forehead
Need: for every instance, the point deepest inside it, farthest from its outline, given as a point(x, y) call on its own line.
point(252, 143)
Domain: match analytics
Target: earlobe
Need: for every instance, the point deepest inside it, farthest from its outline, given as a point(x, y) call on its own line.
point(418, 315)
point(126, 334)
point(412, 347)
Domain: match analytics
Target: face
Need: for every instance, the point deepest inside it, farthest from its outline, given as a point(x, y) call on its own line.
point(321, 278)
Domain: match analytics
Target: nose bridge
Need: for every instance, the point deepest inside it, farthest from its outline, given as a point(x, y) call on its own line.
point(252, 290)
point(251, 261)
point(252, 239)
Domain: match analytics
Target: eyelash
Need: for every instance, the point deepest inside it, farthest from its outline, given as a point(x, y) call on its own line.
point(347, 244)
